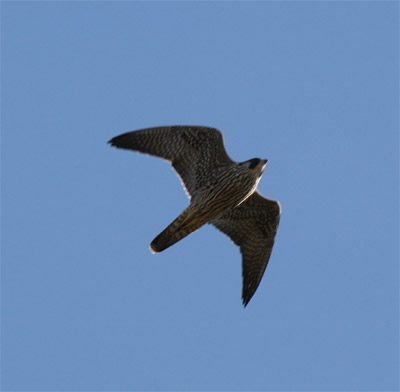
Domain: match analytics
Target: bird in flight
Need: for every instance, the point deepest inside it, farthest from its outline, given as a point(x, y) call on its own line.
point(221, 192)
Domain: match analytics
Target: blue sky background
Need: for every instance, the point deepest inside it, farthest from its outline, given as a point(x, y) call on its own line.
point(312, 86)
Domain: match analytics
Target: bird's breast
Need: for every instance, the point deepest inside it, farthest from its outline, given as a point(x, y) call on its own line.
point(223, 193)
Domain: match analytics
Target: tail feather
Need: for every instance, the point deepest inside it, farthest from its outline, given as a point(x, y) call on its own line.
point(182, 226)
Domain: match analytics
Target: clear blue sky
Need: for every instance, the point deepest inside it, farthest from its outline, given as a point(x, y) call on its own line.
point(312, 86)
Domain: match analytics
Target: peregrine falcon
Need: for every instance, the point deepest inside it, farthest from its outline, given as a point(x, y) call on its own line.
point(221, 192)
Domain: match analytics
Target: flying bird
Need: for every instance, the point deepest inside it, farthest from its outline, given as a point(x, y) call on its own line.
point(221, 192)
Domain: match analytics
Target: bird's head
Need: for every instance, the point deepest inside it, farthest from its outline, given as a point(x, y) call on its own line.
point(256, 164)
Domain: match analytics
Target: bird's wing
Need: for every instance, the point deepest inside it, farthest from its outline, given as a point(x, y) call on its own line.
point(252, 226)
point(192, 150)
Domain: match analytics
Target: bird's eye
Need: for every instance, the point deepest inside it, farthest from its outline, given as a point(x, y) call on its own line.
point(253, 163)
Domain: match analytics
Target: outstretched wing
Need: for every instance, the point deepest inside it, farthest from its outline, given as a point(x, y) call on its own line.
point(252, 226)
point(192, 150)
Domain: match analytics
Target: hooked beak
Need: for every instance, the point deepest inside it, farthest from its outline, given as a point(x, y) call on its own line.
point(265, 161)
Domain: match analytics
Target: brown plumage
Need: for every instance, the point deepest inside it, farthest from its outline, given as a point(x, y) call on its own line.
point(221, 191)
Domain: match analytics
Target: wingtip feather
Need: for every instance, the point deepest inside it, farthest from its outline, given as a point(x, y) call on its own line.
point(245, 300)
point(114, 141)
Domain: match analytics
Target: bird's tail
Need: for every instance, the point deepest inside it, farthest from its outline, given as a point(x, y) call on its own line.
point(183, 225)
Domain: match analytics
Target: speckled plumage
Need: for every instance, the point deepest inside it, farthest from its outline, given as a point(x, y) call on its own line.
point(221, 191)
